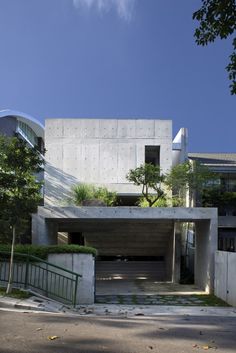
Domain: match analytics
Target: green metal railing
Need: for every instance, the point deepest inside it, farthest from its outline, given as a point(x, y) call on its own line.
point(33, 273)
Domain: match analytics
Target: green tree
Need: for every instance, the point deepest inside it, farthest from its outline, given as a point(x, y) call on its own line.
point(218, 197)
point(217, 19)
point(83, 192)
point(19, 189)
point(150, 178)
point(189, 177)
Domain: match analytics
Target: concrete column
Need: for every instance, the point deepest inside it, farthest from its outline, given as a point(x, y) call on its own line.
point(176, 253)
point(169, 256)
point(206, 246)
point(43, 232)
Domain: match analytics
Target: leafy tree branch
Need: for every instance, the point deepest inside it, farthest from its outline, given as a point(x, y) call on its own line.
point(217, 19)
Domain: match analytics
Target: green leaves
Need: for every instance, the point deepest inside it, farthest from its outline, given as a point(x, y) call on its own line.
point(149, 177)
point(217, 19)
point(82, 192)
point(188, 177)
point(19, 189)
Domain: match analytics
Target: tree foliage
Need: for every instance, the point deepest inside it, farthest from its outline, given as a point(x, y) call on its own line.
point(217, 19)
point(216, 197)
point(150, 178)
point(189, 177)
point(19, 189)
point(84, 192)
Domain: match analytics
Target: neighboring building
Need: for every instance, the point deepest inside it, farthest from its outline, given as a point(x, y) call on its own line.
point(224, 166)
point(14, 123)
point(25, 127)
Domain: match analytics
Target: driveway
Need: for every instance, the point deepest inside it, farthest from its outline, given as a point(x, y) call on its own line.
point(34, 333)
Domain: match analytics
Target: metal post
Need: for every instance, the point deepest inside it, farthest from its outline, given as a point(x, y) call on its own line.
point(26, 271)
point(75, 291)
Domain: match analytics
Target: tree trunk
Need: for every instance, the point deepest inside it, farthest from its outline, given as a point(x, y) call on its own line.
point(9, 285)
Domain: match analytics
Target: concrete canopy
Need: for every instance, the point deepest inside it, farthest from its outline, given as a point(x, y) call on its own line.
point(131, 229)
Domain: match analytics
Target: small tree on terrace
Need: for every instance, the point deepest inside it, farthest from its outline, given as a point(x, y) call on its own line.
point(150, 178)
point(19, 189)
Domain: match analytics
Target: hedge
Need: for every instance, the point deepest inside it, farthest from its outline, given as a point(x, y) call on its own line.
point(42, 251)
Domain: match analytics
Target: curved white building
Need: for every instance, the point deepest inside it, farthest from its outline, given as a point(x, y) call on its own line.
point(15, 123)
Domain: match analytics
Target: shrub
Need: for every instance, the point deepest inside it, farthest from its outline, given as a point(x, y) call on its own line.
point(42, 251)
point(82, 192)
point(161, 202)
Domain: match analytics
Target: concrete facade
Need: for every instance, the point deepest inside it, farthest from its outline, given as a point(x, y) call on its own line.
point(101, 152)
point(82, 264)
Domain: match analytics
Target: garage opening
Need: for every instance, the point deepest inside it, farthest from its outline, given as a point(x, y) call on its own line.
point(130, 268)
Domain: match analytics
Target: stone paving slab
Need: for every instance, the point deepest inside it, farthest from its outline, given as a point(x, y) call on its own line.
point(185, 300)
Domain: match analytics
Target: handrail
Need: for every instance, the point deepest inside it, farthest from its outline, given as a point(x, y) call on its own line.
point(46, 279)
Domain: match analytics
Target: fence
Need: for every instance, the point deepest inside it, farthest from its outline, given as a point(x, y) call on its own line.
point(225, 284)
point(33, 273)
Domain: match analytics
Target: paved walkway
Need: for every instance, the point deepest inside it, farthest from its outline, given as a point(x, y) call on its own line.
point(144, 287)
point(37, 304)
point(151, 299)
point(147, 292)
point(131, 298)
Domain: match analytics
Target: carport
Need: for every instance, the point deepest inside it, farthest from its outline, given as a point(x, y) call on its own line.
point(134, 242)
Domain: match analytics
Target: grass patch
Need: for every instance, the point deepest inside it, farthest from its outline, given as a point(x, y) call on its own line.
point(16, 293)
point(210, 300)
point(134, 299)
point(120, 299)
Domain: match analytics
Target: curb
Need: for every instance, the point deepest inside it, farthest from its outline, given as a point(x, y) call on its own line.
point(16, 305)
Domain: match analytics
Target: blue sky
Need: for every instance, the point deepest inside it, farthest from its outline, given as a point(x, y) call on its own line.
point(116, 58)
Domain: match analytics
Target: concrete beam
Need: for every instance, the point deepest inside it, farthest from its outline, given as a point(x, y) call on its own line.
point(152, 214)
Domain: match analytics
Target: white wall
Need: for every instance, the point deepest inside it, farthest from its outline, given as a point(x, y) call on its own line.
point(225, 284)
point(100, 151)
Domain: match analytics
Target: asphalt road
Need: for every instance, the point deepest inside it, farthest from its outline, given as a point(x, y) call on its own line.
point(29, 332)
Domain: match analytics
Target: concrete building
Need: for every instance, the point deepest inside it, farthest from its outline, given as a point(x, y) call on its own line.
point(145, 240)
point(224, 166)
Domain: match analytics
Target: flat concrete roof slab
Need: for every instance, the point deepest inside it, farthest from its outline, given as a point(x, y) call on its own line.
point(128, 213)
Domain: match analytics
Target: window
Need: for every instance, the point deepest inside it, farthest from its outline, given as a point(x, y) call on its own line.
point(152, 155)
point(28, 133)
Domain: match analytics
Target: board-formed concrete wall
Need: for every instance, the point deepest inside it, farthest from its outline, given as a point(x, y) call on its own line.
point(225, 284)
point(100, 151)
point(82, 264)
